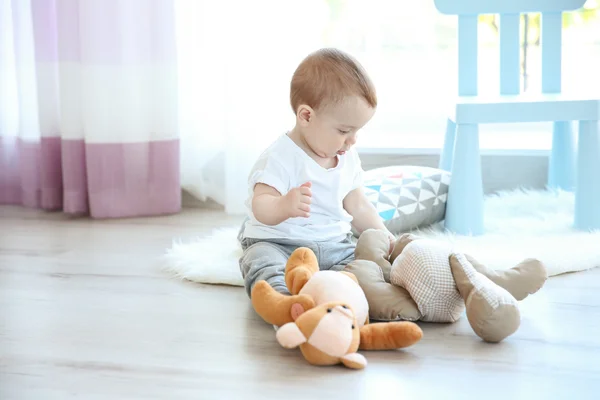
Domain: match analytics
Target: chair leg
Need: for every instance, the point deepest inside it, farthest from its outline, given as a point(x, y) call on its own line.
point(587, 187)
point(445, 163)
point(561, 166)
point(464, 207)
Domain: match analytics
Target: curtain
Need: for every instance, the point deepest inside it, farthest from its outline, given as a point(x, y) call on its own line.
point(112, 107)
point(88, 106)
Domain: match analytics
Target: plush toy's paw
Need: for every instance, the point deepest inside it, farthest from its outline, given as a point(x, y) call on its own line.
point(300, 267)
point(387, 302)
point(400, 244)
point(492, 311)
point(493, 323)
point(354, 361)
point(374, 245)
point(297, 279)
point(299, 304)
point(304, 303)
point(389, 335)
point(524, 279)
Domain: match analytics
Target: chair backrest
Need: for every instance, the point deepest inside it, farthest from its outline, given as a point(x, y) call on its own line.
point(510, 47)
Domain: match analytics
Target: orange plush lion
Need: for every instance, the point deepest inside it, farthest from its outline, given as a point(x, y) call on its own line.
point(327, 315)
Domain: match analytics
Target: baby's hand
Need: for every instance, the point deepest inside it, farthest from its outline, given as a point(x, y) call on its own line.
point(297, 201)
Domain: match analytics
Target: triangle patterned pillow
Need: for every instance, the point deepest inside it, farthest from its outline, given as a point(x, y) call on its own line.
point(407, 197)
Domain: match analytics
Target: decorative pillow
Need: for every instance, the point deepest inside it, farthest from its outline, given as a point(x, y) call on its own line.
point(408, 197)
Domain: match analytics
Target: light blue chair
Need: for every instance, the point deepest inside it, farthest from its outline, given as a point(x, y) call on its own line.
point(460, 154)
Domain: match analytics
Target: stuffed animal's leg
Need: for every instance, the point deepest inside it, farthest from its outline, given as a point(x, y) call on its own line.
point(300, 267)
point(374, 245)
point(522, 280)
point(401, 243)
point(491, 310)
point(276, 308)
point(386, 301)
point(389, 335)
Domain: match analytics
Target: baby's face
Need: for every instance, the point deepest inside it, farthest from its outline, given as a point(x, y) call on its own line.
point(333, 129)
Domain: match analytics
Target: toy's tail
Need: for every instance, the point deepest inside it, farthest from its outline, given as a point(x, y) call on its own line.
point(389, 335)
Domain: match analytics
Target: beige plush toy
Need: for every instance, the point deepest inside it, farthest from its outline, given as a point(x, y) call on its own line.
point(425, 280)
point(327, 315)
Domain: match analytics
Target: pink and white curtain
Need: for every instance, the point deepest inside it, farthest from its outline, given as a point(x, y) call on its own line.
point(112, 107)
point(88, 106)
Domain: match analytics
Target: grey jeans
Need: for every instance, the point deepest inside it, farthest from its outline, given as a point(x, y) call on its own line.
point(265, 259)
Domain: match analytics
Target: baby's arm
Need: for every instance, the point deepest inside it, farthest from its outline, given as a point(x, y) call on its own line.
point(271, 208)
point(364, 214)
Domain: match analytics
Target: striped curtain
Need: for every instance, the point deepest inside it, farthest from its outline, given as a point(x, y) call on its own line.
point(88, 107)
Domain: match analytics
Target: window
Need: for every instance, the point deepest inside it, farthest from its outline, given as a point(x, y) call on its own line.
point(409, 49)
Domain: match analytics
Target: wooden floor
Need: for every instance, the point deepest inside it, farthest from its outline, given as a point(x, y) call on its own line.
point(86, 312)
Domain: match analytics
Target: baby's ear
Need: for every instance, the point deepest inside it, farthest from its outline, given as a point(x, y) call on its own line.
point(290, 336)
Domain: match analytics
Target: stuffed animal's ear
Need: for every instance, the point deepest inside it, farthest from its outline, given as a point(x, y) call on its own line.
point(290, 336)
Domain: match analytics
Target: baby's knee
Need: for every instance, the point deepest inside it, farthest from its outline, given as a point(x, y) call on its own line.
point(263, 262)
point(259, 256)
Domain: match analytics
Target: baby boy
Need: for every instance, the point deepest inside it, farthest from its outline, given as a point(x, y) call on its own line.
point(305, 190)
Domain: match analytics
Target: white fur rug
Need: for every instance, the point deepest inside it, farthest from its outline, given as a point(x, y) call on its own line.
point(519, 224)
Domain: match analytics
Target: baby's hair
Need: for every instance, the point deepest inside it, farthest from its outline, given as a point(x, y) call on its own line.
point(328, 75)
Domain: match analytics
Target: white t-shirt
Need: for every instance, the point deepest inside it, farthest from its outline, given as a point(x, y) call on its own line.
point(285, 166)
